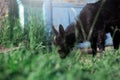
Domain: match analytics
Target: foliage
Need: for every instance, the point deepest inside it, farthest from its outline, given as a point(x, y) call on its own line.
point(22, 64)
point(10, 34)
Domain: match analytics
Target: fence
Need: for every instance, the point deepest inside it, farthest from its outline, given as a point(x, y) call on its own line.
point(60, 13)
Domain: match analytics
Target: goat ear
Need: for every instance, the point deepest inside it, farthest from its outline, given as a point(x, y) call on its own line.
point(54, 30)
point(61, 30)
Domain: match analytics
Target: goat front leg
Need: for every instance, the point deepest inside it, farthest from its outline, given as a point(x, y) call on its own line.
point(94, 46)
point(116, 40)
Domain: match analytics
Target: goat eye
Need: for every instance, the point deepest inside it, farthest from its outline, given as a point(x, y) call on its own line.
point(58, 39)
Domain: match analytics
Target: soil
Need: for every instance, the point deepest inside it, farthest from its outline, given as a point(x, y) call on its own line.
point(5, 50)
point(89, 50)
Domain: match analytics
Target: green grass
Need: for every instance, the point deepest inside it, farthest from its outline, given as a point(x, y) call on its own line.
point(24, 64)
point(34, 61)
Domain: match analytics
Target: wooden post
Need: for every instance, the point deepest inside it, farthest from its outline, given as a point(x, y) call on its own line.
point(13, 8)
point(13, 14)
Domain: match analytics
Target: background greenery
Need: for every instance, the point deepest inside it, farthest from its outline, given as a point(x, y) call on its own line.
point(34, 59)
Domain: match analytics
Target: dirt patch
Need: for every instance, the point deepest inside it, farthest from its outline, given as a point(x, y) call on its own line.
point(5, 50)
point(89, 50)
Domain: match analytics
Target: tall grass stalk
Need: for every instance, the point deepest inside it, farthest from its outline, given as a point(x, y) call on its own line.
point(36, 33)
point(10, 37)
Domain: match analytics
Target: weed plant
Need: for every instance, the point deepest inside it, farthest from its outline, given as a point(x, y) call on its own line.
point(22, 64)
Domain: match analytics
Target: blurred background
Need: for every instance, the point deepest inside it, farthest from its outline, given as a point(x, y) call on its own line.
point(50, 12)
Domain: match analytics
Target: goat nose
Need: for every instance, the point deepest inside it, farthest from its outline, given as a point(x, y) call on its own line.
point(60, 51)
